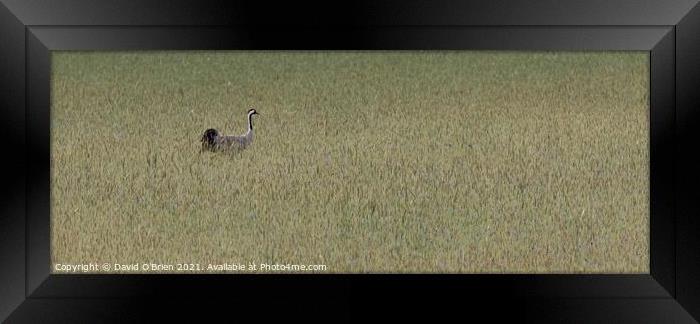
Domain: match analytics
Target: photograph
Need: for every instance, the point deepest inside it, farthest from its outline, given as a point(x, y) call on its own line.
point(525, 162)
point(376, 162)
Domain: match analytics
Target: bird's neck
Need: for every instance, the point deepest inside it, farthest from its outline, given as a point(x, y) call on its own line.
point(250, 123)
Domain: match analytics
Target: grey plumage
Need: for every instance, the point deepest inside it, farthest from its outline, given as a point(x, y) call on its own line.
point(239, 141)
point(213, 141)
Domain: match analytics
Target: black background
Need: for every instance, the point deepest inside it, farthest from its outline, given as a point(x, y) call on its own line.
point(669, 30)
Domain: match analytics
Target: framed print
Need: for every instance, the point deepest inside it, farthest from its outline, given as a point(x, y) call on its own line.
point(219, 158)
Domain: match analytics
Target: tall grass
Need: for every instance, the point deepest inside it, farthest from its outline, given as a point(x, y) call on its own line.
point(364, 161)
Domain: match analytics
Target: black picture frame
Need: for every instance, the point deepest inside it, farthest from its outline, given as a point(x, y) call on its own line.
point(669, 30)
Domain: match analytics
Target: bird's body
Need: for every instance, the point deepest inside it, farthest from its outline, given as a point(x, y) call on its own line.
point(241, 141)
point(213, 141)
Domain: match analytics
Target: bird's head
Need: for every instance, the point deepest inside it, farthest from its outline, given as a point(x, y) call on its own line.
point(252, 112)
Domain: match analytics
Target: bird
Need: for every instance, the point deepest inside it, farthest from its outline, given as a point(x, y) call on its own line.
point(213, 141)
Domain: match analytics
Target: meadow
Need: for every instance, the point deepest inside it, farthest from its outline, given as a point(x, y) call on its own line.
point(366, 162)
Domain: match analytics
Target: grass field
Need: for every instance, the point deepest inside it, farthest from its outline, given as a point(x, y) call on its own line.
point(380, 162)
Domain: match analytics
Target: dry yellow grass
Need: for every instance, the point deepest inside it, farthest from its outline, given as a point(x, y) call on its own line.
point(380, 162)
